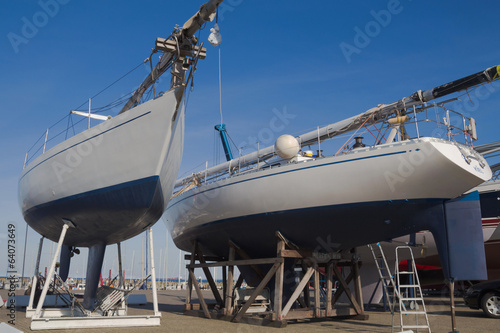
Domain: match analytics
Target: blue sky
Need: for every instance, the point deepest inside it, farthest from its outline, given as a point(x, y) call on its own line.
point(287, 65)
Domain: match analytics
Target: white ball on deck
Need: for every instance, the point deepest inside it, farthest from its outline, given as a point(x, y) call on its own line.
point(286, 146)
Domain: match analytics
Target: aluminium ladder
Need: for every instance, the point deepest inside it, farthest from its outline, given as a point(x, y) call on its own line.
point(412, 293)
point(385, 275)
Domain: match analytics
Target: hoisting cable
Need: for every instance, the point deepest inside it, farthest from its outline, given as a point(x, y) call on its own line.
point(215, 39)
point(220, 76)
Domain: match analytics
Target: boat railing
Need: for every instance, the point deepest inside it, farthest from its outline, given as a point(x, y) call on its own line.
point(495, 168)
point(50, 137)
point(439, 119)
point(69, 126)
point(56, 134)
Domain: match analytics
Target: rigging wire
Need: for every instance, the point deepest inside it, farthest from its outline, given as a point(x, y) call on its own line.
point(41, 136)
point(69, 115)
point(67, 127)
point(356, 131)
point(73, 125)
point(232, 141)
point(119, 101)
point(100, 92)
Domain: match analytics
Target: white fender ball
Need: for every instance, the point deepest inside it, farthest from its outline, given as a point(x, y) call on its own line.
point(286, 146)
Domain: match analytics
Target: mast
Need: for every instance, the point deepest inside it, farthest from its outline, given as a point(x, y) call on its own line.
point(180, 51)
point(373, 115)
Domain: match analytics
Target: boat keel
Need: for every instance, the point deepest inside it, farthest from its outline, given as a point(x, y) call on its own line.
point(94, 266)
point(459, 239)
point(64, 262)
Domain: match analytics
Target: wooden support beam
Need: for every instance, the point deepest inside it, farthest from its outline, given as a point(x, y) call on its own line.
point(278, 286)
point(238, 262)
point(288, 242)
point(200, 295)
point(317, 299)
point(341, 313)
point(329, 288)
point(281, 315)
point(340, 290)
point(190, 281)
point(347, 290)
point(293, 254)
point(300, 314)
point(307, 296)
point(301, 301)
point(229, 284)
point(357, 283)
point(296, 293)
point(207, 258)
point(348, 263)
point(239, 282)
point(210, 279)
point(224, 283)
point(319, 257)
point(260, 273)
point(257, 291)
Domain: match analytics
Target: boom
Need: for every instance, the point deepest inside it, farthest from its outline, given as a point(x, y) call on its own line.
point(370, 116)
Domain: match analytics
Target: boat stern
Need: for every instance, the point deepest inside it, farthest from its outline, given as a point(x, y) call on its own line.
point(470, 167)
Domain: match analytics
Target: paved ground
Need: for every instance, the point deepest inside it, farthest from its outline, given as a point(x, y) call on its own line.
point(173, 320)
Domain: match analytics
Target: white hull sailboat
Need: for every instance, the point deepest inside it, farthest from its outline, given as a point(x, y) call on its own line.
point(373, 193)
point(113, 181)
point(363, 195)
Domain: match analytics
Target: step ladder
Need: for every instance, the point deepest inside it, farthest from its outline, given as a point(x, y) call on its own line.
point(385, 275)
point(412, 312)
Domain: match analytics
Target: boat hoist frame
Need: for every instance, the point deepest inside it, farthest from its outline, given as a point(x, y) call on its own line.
point(321, 306)
point(66, 318)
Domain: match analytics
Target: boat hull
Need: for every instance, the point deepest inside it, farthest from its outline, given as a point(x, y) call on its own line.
point(112, 181)
point(365, 196)
point(322, 229)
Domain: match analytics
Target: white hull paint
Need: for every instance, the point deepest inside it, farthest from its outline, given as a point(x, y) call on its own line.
point(425, 168)
point(143, 143)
